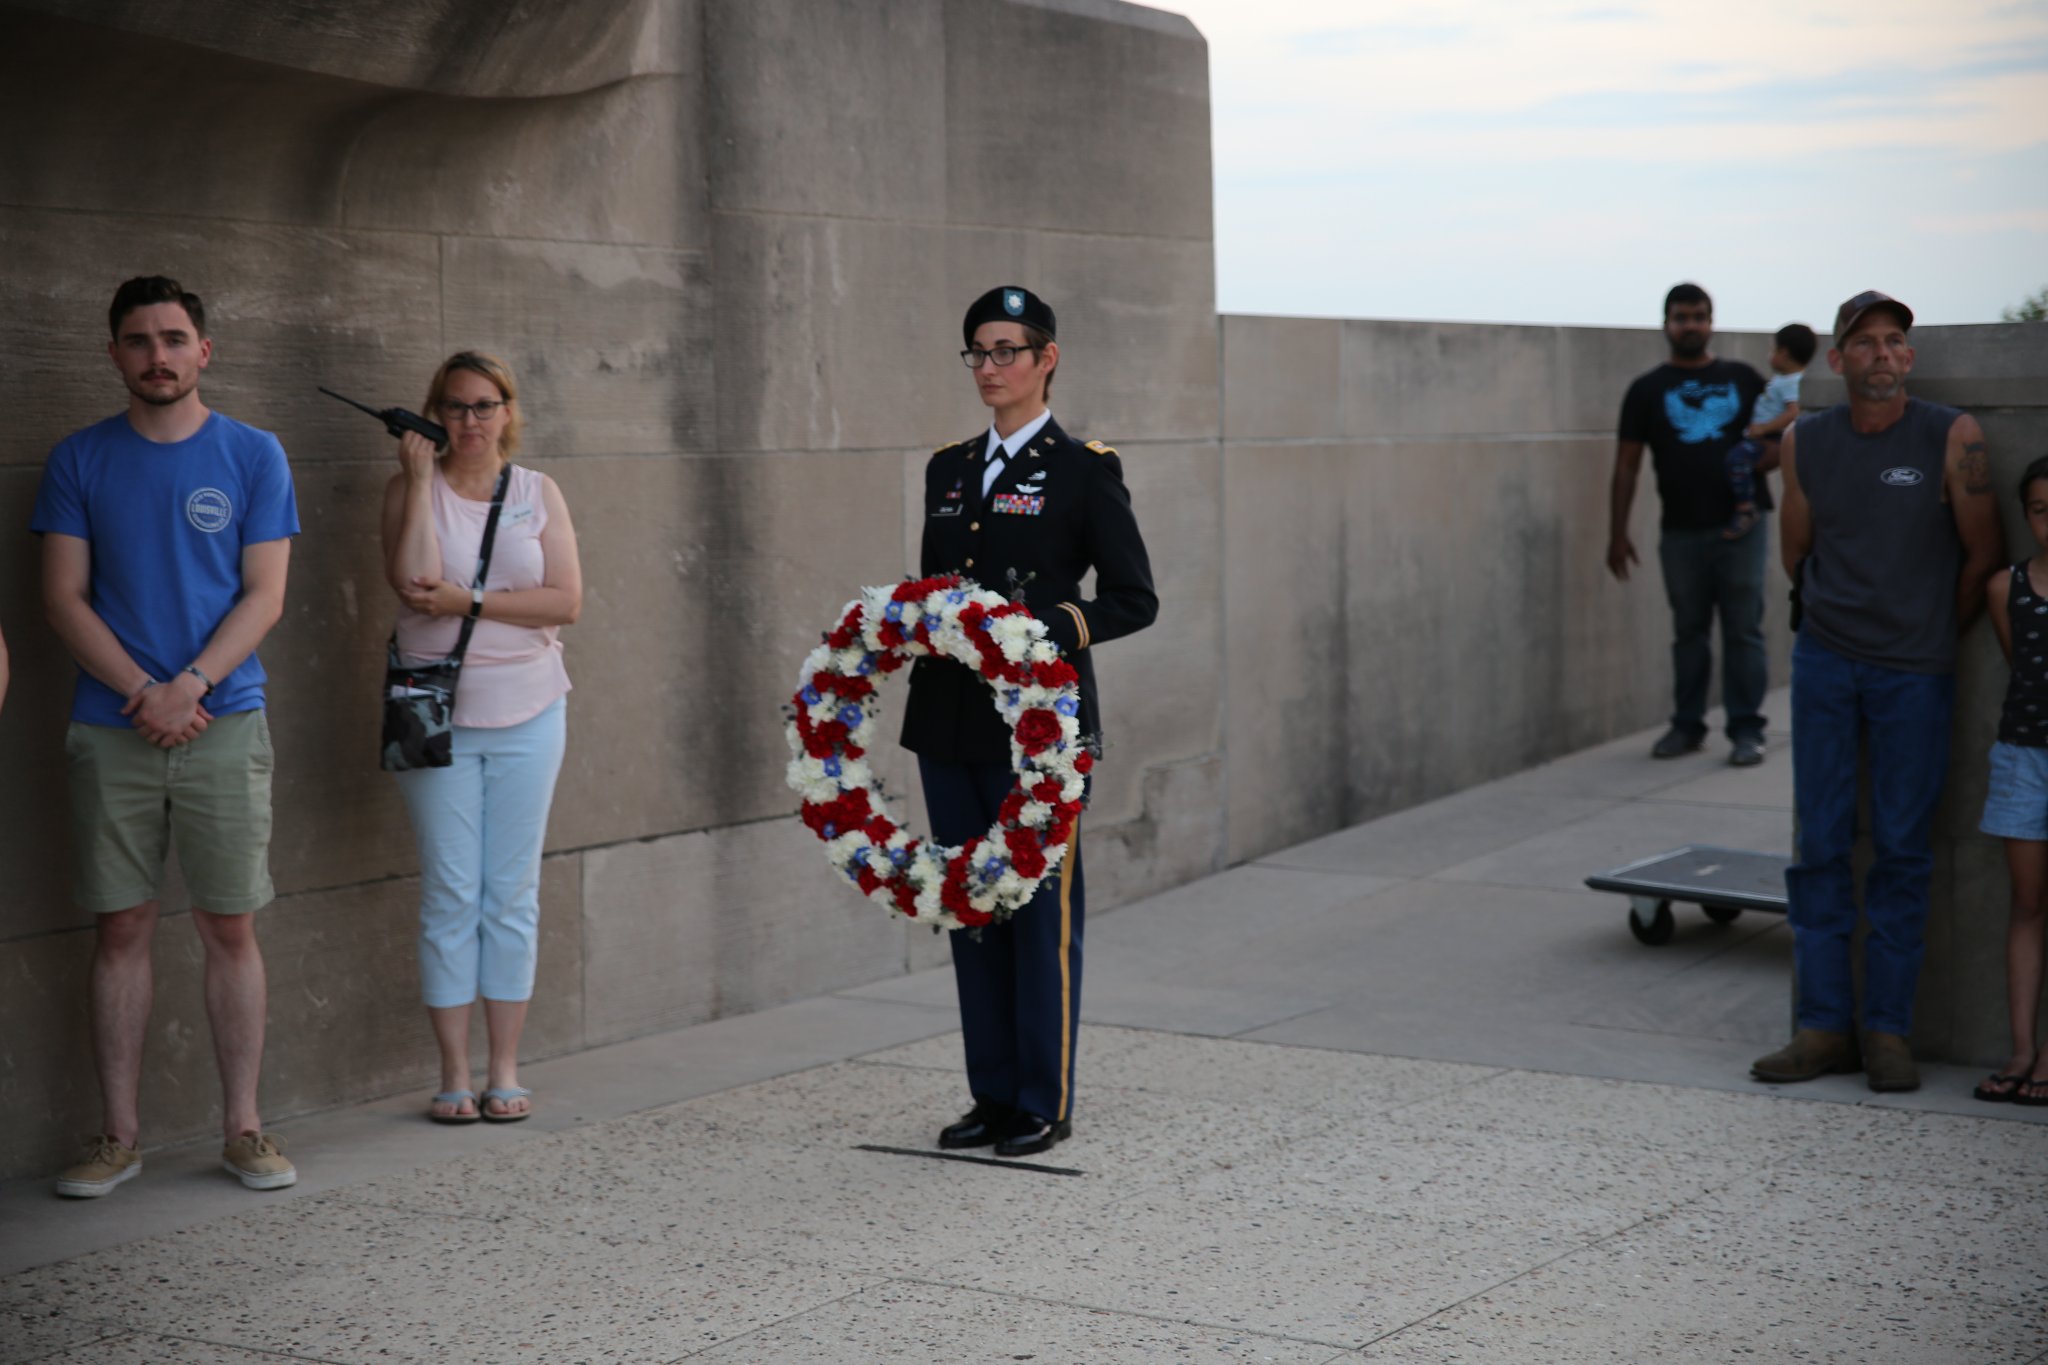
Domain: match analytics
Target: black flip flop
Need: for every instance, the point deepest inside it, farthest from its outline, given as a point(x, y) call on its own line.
point(1999, 1096)
point(2032, 1101)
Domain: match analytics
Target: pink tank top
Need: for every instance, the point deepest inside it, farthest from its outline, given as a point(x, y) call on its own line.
point(511, 673)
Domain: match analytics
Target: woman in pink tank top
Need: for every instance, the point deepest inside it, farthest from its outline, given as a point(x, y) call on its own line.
point(481, 822)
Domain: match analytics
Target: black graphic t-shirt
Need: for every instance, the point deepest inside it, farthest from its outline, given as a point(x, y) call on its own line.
point(1689, 418)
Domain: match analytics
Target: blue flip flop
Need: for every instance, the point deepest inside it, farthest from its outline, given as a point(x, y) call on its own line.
point(456, 1097)
point(505, 1094)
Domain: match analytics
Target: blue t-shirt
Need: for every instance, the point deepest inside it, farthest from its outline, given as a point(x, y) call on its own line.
point(167, 523)
point(1781, 393)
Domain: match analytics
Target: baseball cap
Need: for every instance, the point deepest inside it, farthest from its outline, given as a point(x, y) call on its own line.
point(1851, 312)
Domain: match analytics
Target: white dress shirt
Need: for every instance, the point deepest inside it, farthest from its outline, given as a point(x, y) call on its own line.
point(1001, 449)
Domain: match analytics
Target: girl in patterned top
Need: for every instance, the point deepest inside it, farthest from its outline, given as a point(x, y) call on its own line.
point(2016, 808)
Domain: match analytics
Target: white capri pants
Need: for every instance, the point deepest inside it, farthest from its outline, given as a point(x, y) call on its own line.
point(480, 825)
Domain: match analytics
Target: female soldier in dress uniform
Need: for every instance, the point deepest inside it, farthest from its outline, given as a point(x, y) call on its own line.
point(1024, 509)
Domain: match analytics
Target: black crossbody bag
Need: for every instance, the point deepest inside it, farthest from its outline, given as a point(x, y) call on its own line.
point(419, 699)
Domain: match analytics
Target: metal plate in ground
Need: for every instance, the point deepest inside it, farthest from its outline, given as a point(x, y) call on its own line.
point(1701, 874)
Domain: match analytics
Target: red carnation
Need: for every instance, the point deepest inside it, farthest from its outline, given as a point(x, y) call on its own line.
point(869, 882)
point(1013, 806)
point(1047, 791)
point(1083, 762)
point(1038, 730)
point(1025, 853)
point(1058, 673)
point(889, 663)
point(848, 630)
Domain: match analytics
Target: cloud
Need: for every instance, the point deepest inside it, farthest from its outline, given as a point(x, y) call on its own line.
point(1981, 224)
point(1354, 40)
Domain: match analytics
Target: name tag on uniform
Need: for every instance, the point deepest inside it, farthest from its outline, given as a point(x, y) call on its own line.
point(947, 509)
point(515, 516)
point(1017, 505)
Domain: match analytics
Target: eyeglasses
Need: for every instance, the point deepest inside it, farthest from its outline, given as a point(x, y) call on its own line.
point(483, 412)
point(1001, 355)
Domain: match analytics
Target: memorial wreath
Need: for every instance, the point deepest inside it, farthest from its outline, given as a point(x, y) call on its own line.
point(832, 722)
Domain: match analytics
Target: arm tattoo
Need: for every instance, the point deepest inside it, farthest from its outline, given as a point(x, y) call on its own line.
point(1976, 469)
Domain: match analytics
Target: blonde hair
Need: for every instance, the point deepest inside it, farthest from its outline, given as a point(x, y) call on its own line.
point(493, 369)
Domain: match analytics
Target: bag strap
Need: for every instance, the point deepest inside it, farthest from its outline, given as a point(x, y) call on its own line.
point(483, 558)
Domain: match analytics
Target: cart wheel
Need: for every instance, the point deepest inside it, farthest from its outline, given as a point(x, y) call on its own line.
point(1722, 914)
point(1658, 929)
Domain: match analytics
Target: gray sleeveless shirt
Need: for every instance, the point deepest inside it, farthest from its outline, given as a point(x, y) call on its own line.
point(1880, 582)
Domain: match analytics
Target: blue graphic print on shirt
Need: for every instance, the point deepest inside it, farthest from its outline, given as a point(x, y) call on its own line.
point(1700, 412)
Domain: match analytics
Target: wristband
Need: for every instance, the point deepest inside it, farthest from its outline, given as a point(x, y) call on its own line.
point(476, 601)
point(193, 669)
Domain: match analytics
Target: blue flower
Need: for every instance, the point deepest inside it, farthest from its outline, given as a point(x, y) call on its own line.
point(1012, 696)
point(992, 869)
point(899, 856)
point(860, 856)
point(956, 597)
point(832, 767)
point(867, 664)
point(1067, 706)
point(894, 611)
point(831, 831)
point(850, 715)
point(809, 694)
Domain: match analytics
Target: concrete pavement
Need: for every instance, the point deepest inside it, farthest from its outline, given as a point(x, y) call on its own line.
point(1405, 1093)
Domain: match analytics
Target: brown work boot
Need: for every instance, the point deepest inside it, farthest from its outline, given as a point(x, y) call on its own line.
point(1889, 1064)
point(1812, 1052)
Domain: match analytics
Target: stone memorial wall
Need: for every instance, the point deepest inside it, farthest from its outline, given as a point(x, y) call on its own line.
point(725, 245)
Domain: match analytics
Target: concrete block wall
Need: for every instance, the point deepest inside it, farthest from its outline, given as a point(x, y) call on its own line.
point(725, 244)
point(1415, 535)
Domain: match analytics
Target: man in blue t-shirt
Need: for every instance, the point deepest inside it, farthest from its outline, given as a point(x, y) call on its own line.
point(1690, 411)
point(166, 536)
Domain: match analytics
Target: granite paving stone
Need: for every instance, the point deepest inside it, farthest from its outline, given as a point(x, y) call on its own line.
point(1385, 1107)
point(32, 1331)
point(1678, 1289)
point(942, 1325)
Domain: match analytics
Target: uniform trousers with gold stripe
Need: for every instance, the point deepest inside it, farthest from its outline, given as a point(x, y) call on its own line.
point(1020, 982)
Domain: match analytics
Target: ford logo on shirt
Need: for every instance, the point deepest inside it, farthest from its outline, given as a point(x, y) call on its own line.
point(1902, 476)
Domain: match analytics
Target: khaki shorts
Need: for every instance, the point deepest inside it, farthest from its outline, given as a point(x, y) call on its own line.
point(130, 800)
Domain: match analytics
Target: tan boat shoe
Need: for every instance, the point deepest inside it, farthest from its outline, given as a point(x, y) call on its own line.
point(1888, 1062)
point(257, 1159)
point(104, 1164)
point(1812, 1052)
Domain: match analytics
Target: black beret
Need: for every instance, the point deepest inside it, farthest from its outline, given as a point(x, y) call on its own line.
point(1008, 303)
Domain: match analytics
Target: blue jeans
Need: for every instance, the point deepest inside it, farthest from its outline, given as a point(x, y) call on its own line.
point(480, 824)
point(1704, 573)
point(1836, 704)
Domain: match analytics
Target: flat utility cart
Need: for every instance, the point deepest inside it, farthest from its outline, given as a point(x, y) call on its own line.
point(1724, 882)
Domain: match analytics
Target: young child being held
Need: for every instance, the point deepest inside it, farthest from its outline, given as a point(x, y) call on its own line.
point(1777, 408)
point(2016, 808)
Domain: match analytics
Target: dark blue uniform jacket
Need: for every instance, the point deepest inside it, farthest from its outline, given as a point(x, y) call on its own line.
point(1058, 509)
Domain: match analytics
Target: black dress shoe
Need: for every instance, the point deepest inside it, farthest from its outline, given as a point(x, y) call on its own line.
point(985, 1123)
point(1677, 743)
point(1031, 1135)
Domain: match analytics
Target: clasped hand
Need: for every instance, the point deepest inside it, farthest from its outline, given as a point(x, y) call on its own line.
point(168, 714)
point(435, 597)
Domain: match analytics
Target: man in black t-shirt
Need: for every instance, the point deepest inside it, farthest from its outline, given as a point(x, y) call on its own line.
point(1689, 411)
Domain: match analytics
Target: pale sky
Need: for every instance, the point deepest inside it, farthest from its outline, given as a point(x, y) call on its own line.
point(1569, 160)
